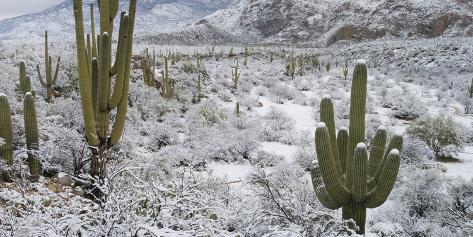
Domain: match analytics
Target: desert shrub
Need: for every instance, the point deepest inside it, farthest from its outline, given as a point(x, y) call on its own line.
point(441, 134)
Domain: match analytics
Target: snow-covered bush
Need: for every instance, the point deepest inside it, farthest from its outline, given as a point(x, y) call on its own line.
point(443, 135)
point(278, 125)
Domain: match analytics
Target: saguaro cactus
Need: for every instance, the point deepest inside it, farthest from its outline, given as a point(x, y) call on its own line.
point(50, 79)
point(345, 71)
point(24, 86)
point(350, 179)
point(235, 76)
point(98, 96)
point(6, 134)
point(31, 134)
point(167, 87)
point(471, 89)
point(149, 66)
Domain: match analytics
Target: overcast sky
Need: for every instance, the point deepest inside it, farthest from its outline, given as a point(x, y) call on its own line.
point(12, 8)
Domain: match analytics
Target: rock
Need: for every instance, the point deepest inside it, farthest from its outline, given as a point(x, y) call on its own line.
point(65, 179)
point(258, 104)
point(213, 217)
point(78, 191)
point(54, 187)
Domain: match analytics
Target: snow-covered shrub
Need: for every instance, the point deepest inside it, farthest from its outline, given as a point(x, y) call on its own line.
point(417, 208)
point(408, 107)
point(261, 91)
point(415, 151)
point(443, 135)
point(282, 93)
point(287, 204)
point(209, 113)
point(278, 125)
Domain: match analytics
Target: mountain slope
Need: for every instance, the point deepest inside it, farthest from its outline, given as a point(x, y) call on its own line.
point(152, 15)
point(328, 21)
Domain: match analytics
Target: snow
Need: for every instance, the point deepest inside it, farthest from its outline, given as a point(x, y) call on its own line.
point(464, 167)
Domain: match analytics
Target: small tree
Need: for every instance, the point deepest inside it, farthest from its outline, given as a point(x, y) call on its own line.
point(441, 134)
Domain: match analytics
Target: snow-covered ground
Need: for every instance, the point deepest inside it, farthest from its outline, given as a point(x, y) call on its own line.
point(195, 168)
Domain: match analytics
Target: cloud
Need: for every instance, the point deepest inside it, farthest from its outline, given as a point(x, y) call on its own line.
point(12, 8)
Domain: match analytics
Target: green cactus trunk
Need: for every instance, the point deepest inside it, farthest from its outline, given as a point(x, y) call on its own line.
point(98, 96)
point(31, 134)
point(6, 133)
point(351, 180)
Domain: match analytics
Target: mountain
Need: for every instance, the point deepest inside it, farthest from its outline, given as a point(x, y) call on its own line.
point(313, 22)
point(152, 15)
point(327, 21)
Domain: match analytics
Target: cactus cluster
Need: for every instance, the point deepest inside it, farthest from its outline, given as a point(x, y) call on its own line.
point(352, 179)
point(99, 96)
point(235, 76)
point(50, 79)
point(31, 134)
point(24, 86)
point(149, 68)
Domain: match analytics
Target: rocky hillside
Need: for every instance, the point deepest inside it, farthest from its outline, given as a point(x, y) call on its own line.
point(315, 22)
point(328, 21)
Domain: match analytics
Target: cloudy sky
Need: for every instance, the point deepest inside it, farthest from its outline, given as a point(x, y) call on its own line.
point(12, 8)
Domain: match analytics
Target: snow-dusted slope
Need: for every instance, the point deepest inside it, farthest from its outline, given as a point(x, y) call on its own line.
point(152, 16)
point(327, 21)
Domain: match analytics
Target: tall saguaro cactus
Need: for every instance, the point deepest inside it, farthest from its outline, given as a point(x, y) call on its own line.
point(98, 96)
point(149, 67)
point(167, 87)
point(50, 79)
point(31, 134)
point(350, 179)
point(6, 134)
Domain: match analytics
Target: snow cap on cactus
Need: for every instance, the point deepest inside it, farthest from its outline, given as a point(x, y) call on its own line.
point(360, 145)
point(321, 125)
point(394, 152)
point(360, 61)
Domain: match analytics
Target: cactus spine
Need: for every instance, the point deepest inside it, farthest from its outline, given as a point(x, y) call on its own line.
point(350, 179)
point(6, 133)
point(50, 79)
point(98, 97)
point(235, 76)
point(31, 134)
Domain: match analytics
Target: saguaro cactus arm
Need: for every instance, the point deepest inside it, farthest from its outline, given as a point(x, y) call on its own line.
point(386, 182)
point(84, 80)
point(331, 179)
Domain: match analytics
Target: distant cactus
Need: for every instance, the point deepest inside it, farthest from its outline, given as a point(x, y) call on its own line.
point(351, 180)
point(98, 96)
point(50, 79)
point(31, 134)
point(292, 68)
point(6, 133)
point(235, 76)
point(301, 66)
point(200, 94)
point(345, 71)
point(167, 85)
point(471, 89)
point(149, 67)
point(237, 109)
point(327, 67)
